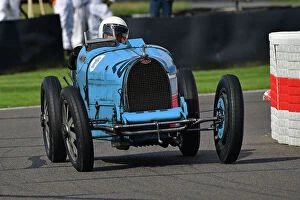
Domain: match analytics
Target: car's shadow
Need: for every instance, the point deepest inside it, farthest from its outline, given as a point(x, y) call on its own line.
point(165, 158)
point(169, 158)
point(155, 159)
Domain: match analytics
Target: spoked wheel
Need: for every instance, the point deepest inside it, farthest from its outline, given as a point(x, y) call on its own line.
point(229, 109)
point(189, 141)
point(76, 130)
point(51, 119)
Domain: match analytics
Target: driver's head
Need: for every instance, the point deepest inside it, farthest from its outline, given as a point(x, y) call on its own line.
point(114, 27)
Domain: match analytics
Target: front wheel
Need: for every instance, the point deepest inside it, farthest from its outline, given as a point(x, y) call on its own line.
point(76, 130)
point(229, 110)
point(189, 141)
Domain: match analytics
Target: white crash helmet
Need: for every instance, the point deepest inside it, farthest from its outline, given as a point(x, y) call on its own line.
point(114, 27)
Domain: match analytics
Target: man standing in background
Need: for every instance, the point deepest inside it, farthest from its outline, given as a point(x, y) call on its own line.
point(73, 19)
point(80, 18)
point(88, 14)
point(9, 9)
point(64, 8)
point(99, 10)
point(165, 5)
point(77, 15)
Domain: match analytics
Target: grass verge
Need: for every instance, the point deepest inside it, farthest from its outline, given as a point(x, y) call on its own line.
point(251, 78)
point(23, 89)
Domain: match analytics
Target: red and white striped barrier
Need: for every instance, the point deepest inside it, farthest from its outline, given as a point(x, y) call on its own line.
point(284, 93)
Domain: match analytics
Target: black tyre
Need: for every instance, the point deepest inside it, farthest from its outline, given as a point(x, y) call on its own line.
point(51, 119)
point(189, 140)
point(229, 108)
point(76, 130)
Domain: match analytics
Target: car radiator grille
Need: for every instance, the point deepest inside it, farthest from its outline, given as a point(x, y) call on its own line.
point(148, 87)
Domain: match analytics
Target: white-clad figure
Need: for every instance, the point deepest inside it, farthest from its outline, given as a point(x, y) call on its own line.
point(81, 14)
point(9, 9)
point(64, 8)
point(99, 10)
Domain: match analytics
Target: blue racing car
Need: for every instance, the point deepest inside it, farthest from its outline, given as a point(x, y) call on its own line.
point(132, 94)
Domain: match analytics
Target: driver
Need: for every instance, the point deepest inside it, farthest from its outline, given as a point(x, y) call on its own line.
point(114, 27)
point(111, 27)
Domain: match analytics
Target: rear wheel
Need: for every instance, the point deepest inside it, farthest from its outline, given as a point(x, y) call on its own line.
point(76, 130)
point(189, 140)
point(229, 109)
point(51, 119)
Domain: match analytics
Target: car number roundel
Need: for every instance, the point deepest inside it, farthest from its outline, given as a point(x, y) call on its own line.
point(95, 62)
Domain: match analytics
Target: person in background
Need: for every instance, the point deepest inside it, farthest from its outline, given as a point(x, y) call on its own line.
point(73, 19)
point(99, 10)
point(157, 5)
point(64, 8)
point(80, 21)
point(9, 9)
point(76, 16)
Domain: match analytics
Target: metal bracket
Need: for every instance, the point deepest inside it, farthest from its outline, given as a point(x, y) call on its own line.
point(144, 54)
point(158, 136)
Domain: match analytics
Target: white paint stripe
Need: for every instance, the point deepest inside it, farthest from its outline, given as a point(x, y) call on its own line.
point(244, 92)
point(207, 94)
point(19, 108)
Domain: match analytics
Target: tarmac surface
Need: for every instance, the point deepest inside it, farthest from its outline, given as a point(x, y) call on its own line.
point(264, 170)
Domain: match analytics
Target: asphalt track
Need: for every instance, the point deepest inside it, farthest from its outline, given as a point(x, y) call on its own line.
point(264, 170)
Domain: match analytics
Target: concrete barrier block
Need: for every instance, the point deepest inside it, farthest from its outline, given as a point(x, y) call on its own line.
point(294, 99)
point(288, 37)
point(274, 112)
point(294, 107)
point(282, 72)
point(294, 83)
point(283, 123)
point(273, 62)
point(274, 133)
point(272, 53)
point(273, 71)
point(293, 57)
point(293, 65)
point(293, 73)
point(291, 48)
point(294, 133)
point(294, 116)
point(281, 64)
point(294, 124)
point(285, 87)
point(294, 141)
point(282, 139)
point(283, 114)
point(272, 46)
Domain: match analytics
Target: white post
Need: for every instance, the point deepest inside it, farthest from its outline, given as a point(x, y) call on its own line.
point(42, 7)
point(30, 11)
